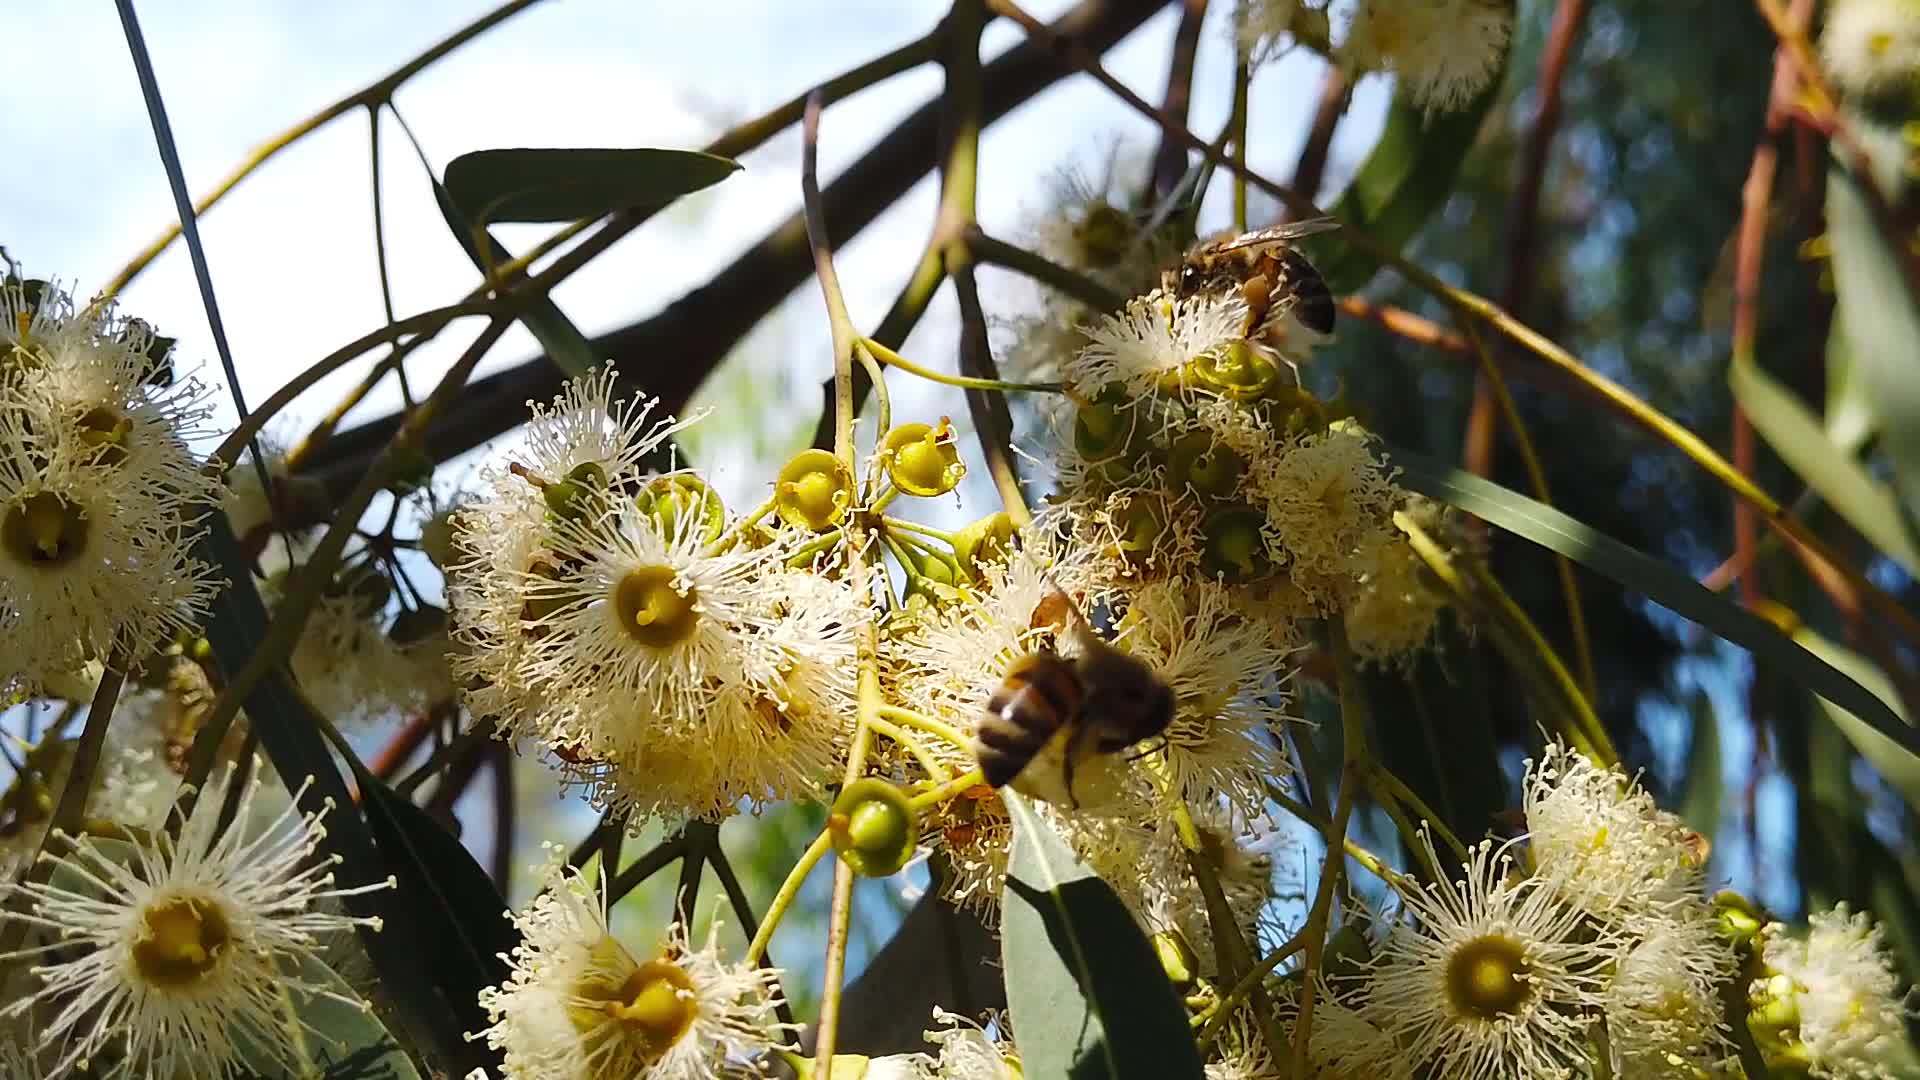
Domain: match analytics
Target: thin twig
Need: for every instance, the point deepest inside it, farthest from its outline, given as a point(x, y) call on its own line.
point(373, 93)
point(1170, 161)
point(1335, 92)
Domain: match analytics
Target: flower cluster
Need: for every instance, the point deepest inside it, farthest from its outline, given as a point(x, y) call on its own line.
point(99, 492)
point(1593, 921)
point(1443, 53)
point(677, 659)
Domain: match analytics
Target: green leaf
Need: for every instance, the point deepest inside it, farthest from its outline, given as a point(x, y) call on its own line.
point(463, 923)
point(577, 184)
point(1406, 178)
point(1898, 767)
point(343, 1041)
point(1661, 583)
point(292, 741)
point(569, 349)
point(1793, 432)
point(1849, 411)
point(1876, 310)
point(1087, 995)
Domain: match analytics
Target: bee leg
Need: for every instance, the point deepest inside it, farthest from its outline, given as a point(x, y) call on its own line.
point(1257, 291)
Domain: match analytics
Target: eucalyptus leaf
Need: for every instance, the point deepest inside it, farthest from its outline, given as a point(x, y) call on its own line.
point(292, 741)
point(542, 185)
point(1407, 176)
point(341, 1037)
point(1898, 767)
point(1877, 310)
point(1659, 582)
point(1849, 411)
point(1087, 996)
point(1800, 440)
point(463, 923)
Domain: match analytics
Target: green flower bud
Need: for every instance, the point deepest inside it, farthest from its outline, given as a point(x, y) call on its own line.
point(1235, 549)
point(1211, 470)
point(921, 459)
point(1176, 958)
point(873, 827)
point(990, 539)
point(1237, 370)
point(1104, 235)
point(1740, 920)
point(1102, 429)
point(678, 497)
point(579, 495)
point(814, 491)
point(1141, 522)
point(437, 539)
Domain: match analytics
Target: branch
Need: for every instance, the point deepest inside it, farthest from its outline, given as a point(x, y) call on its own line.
point(699, 329)
point(1170, 161)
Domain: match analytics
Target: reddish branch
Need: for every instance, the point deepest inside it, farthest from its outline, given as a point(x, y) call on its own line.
point(1484, 417)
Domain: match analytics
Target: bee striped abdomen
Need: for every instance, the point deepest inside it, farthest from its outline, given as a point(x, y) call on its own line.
point(1038, 696)
point(1313, 301)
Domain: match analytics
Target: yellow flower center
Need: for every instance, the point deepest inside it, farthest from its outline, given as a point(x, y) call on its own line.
point(44, 530)
point(655, 1006)
point(1487, 977)
point(106, 431)
point(180, 941)
point(652, 610)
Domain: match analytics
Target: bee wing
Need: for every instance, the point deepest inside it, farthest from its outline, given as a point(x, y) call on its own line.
point(1293, 230)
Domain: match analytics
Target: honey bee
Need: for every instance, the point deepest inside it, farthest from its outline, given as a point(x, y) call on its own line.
point(1103, 699)
point(1265, 268)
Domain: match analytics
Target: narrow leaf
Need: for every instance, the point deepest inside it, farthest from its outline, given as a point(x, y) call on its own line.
point(1849, 411)
point(1661, 583)
point(1876, 310)
point(463, 919)
point(573, 185)
point(569, 349)
point(1793, 432)
point(1407, 177)
point(290, 735)
point(344, 1041)
point(1088, 998)
point(1898, 767)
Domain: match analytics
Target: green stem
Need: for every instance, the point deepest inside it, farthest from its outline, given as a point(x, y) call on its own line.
point(904, 525)
point(925, 723)
point(931, 764)
point(783, 899)
point(1353, 728)
point(1220, 1011)
point(893, 359)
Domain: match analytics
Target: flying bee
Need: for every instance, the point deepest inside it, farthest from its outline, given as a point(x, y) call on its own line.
point(1100, 702)
point(1265, 268)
